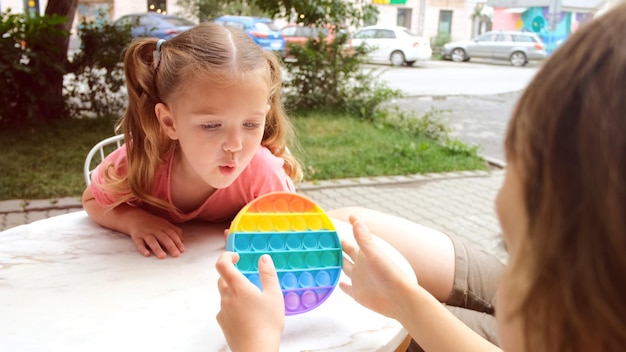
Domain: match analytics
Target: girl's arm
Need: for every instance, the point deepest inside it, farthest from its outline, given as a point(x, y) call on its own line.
point(150, 233)
point(379, 284)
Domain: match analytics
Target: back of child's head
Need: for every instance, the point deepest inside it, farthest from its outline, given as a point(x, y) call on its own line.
point(567, 138)
point(208, 52)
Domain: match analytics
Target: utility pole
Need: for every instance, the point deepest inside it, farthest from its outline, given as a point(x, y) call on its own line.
point(554, 10)
point(421, 18)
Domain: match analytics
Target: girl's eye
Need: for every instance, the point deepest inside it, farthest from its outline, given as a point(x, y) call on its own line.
point(252, 125)
point(211, 126)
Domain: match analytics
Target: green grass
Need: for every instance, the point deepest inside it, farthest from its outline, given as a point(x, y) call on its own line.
point(337, 146)
point(46, 160)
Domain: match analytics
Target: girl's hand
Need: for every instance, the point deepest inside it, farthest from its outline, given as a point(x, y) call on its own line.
point(251, 319)
point(377, 282)
point(151, 233)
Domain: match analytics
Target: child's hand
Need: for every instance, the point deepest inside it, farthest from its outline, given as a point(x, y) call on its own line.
point(377, 281)
point(152, 233)
point(252, 320)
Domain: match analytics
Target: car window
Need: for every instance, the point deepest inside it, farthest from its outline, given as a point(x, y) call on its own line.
point(385, 34)
point(305, 32)
point(266, 27)
point(126, 20)
point(408, 32)
point(365, 34)
point(178, 22)
point(523, 38)
point(148, 22)
point(234, 24)
point(489, 37)
point(289, 31)
point(505, 38)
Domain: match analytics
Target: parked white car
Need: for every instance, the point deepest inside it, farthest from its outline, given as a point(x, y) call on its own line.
point(393, 44)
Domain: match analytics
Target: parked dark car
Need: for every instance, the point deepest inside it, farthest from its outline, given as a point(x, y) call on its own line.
point(262, 30)
point(517, 47)
point(153, 24)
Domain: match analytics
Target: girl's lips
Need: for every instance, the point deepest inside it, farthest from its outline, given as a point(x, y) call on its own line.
point(228, 169)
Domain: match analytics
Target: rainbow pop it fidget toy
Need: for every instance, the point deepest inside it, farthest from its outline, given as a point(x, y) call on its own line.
point(300, 238)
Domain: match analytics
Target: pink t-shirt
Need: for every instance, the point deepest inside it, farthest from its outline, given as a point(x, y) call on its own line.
point(263, 175)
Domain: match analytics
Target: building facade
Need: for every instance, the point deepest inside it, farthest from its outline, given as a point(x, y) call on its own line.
point(552, 20)
point(454, 19)
point(96, 10)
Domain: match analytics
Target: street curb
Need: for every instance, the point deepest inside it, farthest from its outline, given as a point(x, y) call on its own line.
point(27, 205)
point(391, 180)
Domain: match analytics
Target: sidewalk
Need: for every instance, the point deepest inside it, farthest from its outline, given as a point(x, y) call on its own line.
point(461, 203)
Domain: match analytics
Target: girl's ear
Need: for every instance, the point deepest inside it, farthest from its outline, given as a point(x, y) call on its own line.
point(268, 107)
point(166, 120)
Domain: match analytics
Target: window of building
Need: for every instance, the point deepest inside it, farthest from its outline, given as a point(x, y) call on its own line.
point(404, 17)
point(445, 22)
point(157, 6)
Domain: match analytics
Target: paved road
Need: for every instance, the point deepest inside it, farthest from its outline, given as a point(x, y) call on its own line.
point(475, 99)
point(475, 120)
point(447, 78)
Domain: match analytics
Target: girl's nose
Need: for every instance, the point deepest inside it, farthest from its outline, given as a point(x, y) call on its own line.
point(233, 142)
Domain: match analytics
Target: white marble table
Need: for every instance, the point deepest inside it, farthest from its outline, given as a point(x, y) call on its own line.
point(67, 284)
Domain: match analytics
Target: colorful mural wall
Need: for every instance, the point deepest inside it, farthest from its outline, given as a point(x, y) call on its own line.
point(537, 20)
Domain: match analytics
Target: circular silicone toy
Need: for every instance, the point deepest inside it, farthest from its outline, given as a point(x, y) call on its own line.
point(301, 240)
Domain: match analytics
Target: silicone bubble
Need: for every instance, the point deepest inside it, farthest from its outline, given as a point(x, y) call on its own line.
point(300, 238)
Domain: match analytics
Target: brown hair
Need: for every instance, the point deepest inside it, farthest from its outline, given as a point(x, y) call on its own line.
point(568, 138)
point(208, 51)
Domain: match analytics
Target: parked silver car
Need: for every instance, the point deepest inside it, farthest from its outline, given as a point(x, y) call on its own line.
point(517, 47)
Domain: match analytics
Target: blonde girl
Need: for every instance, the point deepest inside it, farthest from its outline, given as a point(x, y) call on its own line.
point(205, 133)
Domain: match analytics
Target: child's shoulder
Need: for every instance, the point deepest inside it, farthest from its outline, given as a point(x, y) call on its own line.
point(264, 158)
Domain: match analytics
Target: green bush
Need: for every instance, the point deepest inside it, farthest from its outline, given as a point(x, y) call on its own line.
point(28, 47)
point(329, 75)
point(438, 41)
point(96, 85)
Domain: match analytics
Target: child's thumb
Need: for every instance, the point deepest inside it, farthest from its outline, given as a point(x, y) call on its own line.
point(268, 275)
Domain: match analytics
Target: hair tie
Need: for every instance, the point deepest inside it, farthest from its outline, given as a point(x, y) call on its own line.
point(157, 52)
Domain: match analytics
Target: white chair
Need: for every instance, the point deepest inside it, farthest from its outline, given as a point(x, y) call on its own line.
point(102, 149)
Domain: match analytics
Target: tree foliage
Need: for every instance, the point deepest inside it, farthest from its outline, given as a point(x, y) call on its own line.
point(33, 62)
point(353, 13)
point(206, 10)
point(28, 66)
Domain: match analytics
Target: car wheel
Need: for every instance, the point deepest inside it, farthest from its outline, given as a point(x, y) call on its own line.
point(396, 58)
point(518, 59)
point(458, 55)
point(409, 63)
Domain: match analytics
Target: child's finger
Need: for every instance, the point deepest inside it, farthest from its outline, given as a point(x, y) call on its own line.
point(141, 247)
point(346, 288)
point(362, 235)
point(347, 265)
point(155, 247)
point(350, 249)
point(225, 266)
point(268, 275)
point(177, 238)
point(171, 247)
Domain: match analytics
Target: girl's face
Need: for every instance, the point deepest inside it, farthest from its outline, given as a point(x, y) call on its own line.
point(513, 221)
point(219, 129)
